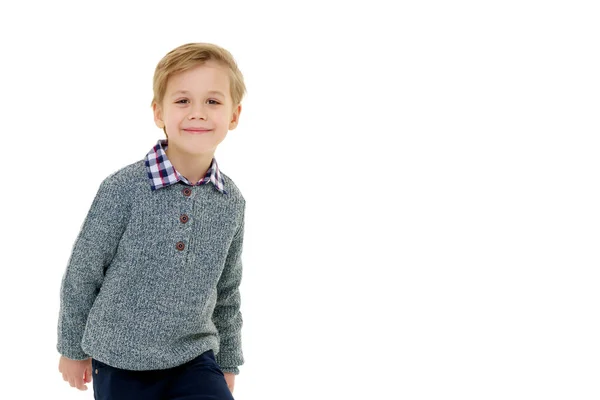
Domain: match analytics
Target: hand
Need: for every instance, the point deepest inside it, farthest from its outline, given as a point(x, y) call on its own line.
point(230, 379)
point(76, 372)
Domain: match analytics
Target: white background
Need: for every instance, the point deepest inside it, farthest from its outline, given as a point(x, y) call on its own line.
point(421, 182)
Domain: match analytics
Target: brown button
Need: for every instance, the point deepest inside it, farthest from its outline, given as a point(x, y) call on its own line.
point(184, 218)
point(96, 371)
point(187, 191)
point(180, 246)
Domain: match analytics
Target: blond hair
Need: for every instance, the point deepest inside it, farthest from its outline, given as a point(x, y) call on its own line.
point(190, 55)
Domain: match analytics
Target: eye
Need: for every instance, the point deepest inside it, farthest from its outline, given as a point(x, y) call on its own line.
point(180, 101)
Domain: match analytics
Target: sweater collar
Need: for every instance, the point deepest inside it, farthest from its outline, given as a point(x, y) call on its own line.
point(162, 173)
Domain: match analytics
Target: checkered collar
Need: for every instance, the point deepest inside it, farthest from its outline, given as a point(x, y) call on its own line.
point(162, 173)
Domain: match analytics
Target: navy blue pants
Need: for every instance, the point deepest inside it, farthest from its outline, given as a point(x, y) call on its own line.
point(197, 379)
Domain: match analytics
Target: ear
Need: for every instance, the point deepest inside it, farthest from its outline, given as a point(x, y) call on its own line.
point(158, 119)
point(235, 117)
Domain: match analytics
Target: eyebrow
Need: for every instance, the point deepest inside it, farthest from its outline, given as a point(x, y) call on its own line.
point(210, 91)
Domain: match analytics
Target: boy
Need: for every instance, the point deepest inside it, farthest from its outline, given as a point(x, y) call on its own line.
point(150, 302)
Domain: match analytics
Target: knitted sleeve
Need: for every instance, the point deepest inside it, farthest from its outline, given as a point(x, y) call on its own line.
point(227, 316)
point(92, 252)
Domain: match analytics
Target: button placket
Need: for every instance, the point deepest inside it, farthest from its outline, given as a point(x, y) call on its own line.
point(183, 218)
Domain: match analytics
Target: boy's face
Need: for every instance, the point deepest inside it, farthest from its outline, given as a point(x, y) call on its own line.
point(197, 99)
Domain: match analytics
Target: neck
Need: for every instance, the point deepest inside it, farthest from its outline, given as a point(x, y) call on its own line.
point(192, 166)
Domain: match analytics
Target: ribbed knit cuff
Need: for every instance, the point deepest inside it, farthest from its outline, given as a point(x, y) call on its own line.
point(72, 353)
point(233, 370)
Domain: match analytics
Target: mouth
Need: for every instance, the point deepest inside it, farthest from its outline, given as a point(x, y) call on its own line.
point(197, 131)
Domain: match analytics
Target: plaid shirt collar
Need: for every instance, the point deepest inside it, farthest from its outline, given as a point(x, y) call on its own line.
point(162, 173)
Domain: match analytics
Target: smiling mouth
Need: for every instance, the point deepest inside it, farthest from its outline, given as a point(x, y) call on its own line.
point(197, 131)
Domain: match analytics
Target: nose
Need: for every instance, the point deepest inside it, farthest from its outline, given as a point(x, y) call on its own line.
point(197, 112)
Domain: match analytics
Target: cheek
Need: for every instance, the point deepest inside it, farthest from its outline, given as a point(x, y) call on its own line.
point(175, 117)
point(225, 117)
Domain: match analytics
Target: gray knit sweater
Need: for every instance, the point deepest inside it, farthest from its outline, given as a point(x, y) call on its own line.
point(153, 278)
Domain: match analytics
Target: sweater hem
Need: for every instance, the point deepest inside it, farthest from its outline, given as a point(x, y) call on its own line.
point(159, 361)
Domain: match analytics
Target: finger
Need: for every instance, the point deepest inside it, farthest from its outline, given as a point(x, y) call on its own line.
point(81, 385)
